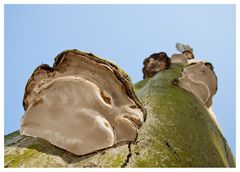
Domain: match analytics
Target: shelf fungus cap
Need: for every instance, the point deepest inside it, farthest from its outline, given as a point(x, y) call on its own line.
point(199, 79)
point(155, 63)
point(186, 50)
point(82, 104)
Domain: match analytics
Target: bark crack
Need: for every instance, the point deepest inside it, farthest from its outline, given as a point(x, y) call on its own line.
point(172, 150)
point(128, 156)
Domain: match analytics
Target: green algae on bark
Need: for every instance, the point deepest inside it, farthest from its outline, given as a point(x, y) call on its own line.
point(178, 131)
point(36, 152)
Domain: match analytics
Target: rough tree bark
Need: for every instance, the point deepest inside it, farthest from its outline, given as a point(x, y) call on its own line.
point(178, 132)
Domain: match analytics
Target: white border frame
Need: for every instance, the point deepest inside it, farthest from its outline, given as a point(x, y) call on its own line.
point(236, 2)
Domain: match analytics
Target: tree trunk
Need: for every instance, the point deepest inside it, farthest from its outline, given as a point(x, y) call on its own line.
point(178, 132)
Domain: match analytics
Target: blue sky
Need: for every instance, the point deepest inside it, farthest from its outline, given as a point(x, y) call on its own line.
point(124, 34)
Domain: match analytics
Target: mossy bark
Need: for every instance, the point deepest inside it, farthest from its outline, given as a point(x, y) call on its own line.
point(178, 132)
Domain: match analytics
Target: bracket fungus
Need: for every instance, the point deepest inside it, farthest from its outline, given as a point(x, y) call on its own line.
point(155, 63)
point(82, 104)
point(187, 54)
point(199, 79)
